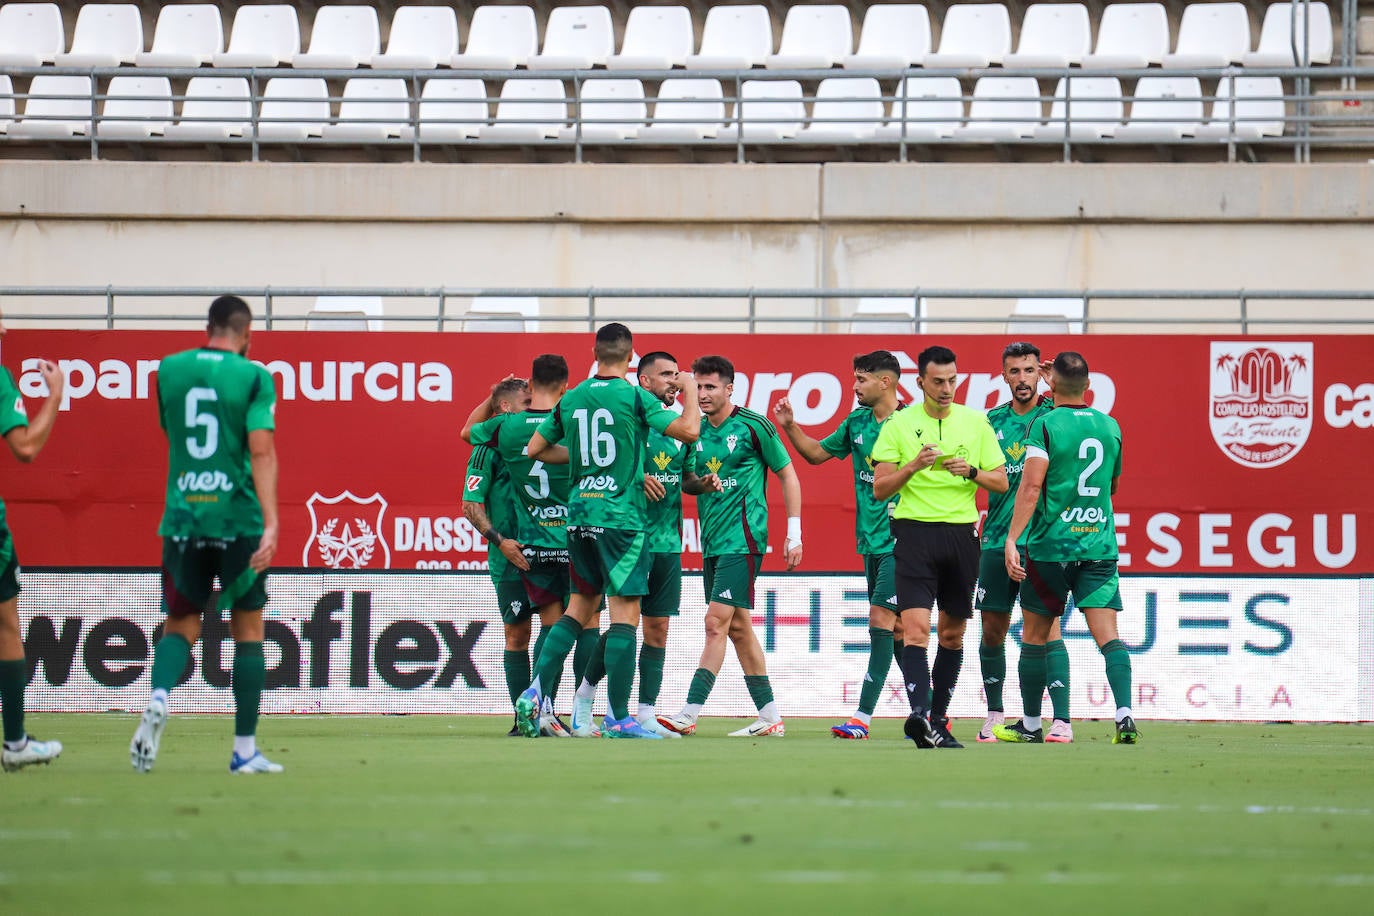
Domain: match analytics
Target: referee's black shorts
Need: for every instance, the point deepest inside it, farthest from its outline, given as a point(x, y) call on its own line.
point(936, 566)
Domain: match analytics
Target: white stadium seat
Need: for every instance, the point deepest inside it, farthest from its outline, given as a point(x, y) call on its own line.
point(345, 313)
point(813, 38)
point(1259, 109)
point(6, 103)
point(58, 107)
point(769, 110)
point(530, 110)
point(452, 110)
point(577, 38)
point(686, 109)
point(1069, 311)
point(106, 35)
point(611, 110)
point(187, 35)
point(926, 108)
point(1211, 35)
point(372, 109)
point(894, 36)
point(1003, 108)
point(846, 109)
point(1276, 36)
point(734, 38)
point(656, 38)
point(1130, 35)
point(1052, 35)
point(1165, 108)
point(973, 35)
point(31, 34)
point(499, 314)
point(343, 38)
point(293, 108)
point(888, 315)
point(1094, 109)
point(421, 38)
point(500, 38)
point(216, 108)
point(136, 107)
point(262, 36)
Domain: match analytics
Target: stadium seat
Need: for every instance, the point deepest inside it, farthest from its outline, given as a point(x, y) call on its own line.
point(530, 110)
point(611, 110)
point(846, 109)
point(343, 38)
point(1210, 35)
point(6, 103)
point(1069, 311)
point(136, 108)
point(1003, 108)
point(1259, 109)
point(769, 110)
point(1052, 35)
point(216, 108)
point(372, 109)
point(293, 108)
point(500, 38)
point(734, 38)
point(888, 315)
point(499, 314)
point(973, 35)
point(656, 38)
point(895, 36)
point(345, 313)
point(1094, 110)
point(813, 38)
point(926, 108)
point(1165, 108)
point(31, 34)
point(106, 35)
point(577, 38)
point(452, 110)
point(262, 36)
point(421, 38)
point(57, 107)
point(187, 35)
point(1130, 35)
point(1277, 32)
point(686, 109)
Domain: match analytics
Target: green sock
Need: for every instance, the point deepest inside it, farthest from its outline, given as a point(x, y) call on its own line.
point(169, 660)
point(517, 665)
point(14, 677)
point(584, 650)
point(250, 676)
point(700, 689)
point(879, 663)
point(651, 659)
point(1031, 669)
point(596, 665)
point(760, 690)
point(993, 662)
point(1118, 672)
point(549, 667)
point(1057, 676)
point(620, 668)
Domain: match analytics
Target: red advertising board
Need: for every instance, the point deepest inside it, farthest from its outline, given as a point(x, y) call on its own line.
point(1242, 455)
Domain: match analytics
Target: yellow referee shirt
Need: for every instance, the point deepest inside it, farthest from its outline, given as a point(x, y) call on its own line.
point(934, 494)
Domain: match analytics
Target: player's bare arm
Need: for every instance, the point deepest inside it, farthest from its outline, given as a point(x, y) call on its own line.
point(686, 428)
point(540, 449)
point(807, 447)
point(1027, 495)
point(26, 442)
point(262, 458)
point(994, 481)
point(792, 500)
point(692, 485)
point(654, 490)
point(485, 410)
point(510, 548)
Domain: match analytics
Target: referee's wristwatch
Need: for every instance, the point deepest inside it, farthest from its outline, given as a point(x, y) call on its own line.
point(972, 473)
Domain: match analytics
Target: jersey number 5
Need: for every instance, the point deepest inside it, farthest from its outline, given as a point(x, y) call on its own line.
point(198, 419)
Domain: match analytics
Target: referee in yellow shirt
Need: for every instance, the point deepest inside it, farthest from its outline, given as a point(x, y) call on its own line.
point(936, 457)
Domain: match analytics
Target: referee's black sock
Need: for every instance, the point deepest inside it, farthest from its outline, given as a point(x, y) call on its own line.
point(916, 674)
point(944, 674)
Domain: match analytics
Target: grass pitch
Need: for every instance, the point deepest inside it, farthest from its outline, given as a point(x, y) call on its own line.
point(388, 814)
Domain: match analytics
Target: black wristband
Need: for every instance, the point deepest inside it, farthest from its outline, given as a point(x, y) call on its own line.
point(972, 472)
point(494, 537)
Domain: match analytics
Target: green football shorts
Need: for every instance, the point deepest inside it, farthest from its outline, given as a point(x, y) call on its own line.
point(729, 579)
point(189, 568)
point(9, 563)
point(996, 592)
point(880, 571)
point(1093, 584)
point(608, 561)
point(546, 581)
point(665, 586)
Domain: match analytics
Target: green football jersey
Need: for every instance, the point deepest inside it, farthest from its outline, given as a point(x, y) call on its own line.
point(208, 402)
point(605, 424)
point(740, 452)
point(541, 490)
point(1074, 519)
point(1011, 429)
point(667, 460)
point(856, 436)
point(488, 482)
point(12, 413)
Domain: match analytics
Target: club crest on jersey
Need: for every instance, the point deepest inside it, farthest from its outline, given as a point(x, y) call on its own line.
point(346, 532)
point(730, 442)
point(662, 460)
point(713, 464)
point(1260, 408)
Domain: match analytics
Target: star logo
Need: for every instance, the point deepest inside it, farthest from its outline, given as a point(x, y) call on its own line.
point(662, 460)
point(713, 464)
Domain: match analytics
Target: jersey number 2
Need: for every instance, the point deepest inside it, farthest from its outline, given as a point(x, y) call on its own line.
point(1095, 447)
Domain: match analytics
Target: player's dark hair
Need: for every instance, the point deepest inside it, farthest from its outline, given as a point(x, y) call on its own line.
point(647, 361)
point(229, 314)
point(549, 370)
point(940, 356)
point(1072, 371)
point(1021, 348)
point(879, 362)
point(508, 389)
point(614, 343)
point(715, 365)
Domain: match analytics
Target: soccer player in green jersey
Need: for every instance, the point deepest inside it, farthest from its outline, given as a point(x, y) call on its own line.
point(876, 376)
point(935, 456)
point(218, 411)
point(604, 423)
point(1073, 466)
point(737, 447)
point(489, 506)
point(997, 592)
point(25, 439)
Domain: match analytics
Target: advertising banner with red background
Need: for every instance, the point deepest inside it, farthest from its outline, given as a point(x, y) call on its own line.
point(1242, 455)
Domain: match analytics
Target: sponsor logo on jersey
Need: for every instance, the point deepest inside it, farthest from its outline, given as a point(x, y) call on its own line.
point(598, 483)
point(204, 482)
point(1084, 515)
point(859, 439)
point(1261, 400)
point(345, 532)
point(19, 406)
point(1015, 452)
point(714, 464)
point(662, 460)
point(474, 481)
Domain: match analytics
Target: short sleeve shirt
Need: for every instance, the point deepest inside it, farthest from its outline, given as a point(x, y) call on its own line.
point(1012, 430)
point(855, 437)
point(1074, 519)
point(740, 452)
point(934, 494)
point(667, 460)
point(488, 482)
point(540, 490)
